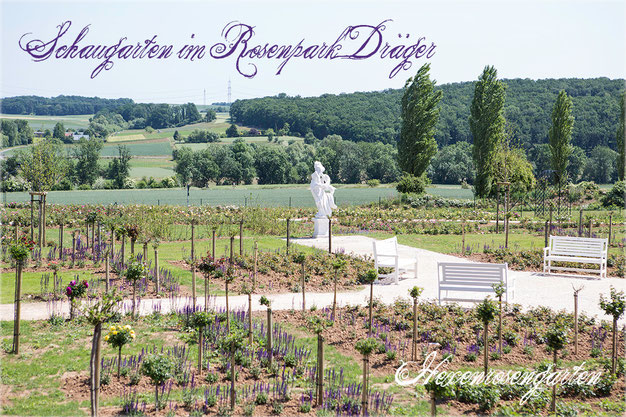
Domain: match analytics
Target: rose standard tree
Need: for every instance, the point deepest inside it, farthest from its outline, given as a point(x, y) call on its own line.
point(74, 291)
point(96, 314)
point(19, 252)
point(135, 271)
point(614, 306)
point(486, 312)
point(200, 320)
point(556, 339)
point(365, 347)
point(159, 368)
point(117, 337)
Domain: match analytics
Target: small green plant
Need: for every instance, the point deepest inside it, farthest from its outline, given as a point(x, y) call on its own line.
point(277, 408)
point(604, 386)
point(211, 378)
point(255, 371)
point(135, 378)
point(105, 379)
point(223, 411)
point(248, 409)
point(437, 392)
point(210, 400)
point(56, 320)
point(261, 398)
point(159, 369)
point(290, 360)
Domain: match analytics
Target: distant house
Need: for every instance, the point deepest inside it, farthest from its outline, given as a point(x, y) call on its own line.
point(79, 136)
point(38, 134)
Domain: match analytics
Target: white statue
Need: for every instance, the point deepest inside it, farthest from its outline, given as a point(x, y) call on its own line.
point(323, 192)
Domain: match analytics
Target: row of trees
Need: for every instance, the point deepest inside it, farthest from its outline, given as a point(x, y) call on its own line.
point(497, 154)
point(15, 133)
point(346, 162)
point(373, 116)
point(60, 105)
point(48, 166)
point(453, 164)
point(140, 116)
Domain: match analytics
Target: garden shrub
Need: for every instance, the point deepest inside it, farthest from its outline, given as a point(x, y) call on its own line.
point(604, 386)
point(616, 195)
point(486, 396)
point(410, 184)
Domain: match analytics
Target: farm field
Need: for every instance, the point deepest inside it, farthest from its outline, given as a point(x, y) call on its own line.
point(151, 167)
point(265, 196)
point(80, 121)
point(155, 147)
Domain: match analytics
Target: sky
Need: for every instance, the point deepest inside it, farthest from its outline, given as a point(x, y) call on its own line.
point(522, 39)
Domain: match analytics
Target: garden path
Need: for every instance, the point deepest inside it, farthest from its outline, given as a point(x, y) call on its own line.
point(532, 289)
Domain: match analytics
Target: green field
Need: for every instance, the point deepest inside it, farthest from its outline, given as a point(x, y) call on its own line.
point(265, 196)
point(160, 147)
point(151, 167)
point(80, 121)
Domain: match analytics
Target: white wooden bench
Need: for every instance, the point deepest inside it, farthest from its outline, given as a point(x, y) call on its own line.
point(386, 256)
point(471, 277)
point(582, 250)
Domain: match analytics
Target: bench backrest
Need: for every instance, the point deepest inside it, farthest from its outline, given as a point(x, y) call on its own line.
point(386, 247)
point(578, 246)
point(472, 274)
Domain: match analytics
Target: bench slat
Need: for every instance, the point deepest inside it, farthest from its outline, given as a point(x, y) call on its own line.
point(469, 277)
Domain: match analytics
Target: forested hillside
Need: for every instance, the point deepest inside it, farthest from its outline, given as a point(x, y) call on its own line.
point(59, 106)
point(374, 116)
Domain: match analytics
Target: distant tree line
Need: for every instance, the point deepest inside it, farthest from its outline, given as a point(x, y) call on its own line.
point(47, 165)
point(375, 116)
point(241, 162)
point(60, 105)
point(141, 116)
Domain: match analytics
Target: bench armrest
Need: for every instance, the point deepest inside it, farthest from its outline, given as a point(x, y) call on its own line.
point(380, 255)
point(546, 251)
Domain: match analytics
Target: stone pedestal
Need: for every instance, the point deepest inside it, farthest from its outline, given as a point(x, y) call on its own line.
point(320, 227)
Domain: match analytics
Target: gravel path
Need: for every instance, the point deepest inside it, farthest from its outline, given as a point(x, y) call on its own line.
point(531, 288)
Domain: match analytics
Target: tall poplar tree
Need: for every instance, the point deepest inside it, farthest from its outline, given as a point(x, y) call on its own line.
point(620, 138)
point(560, 135)
point(487, 126)
point(420, 113)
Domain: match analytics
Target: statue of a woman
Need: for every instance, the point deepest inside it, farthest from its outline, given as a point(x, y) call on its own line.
point(323, 192)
